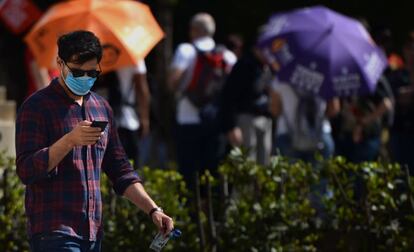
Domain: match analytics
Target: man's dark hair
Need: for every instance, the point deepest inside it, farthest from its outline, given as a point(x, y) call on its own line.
point(79, 47)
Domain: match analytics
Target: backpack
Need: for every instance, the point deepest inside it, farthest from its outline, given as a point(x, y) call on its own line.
point(208, 76)
point(307, 128)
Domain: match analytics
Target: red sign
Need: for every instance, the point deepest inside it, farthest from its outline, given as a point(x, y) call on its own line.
point(18, 15)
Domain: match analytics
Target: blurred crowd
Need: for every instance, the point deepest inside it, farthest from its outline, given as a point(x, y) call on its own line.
point(226, 95)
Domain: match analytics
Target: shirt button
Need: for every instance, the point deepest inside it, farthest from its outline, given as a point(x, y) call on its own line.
point(90, 197)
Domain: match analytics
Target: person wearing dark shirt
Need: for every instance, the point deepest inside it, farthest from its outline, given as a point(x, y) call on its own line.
point(402, 131)
point(247, 105)
point(358, 128)
point(60, 156)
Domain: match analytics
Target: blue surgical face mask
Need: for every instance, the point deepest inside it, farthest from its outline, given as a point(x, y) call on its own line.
point(79, 85)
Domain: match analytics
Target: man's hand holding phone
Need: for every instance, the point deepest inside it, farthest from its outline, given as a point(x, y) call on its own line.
point(99, 124)
point(85, 134)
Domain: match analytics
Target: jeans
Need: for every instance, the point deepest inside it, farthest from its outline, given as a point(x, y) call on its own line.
point(57, 242)
point(152, 151)
point(367, 150)
point(199, 147)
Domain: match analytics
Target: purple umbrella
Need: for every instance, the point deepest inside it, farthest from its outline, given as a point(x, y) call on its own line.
point(321, 51)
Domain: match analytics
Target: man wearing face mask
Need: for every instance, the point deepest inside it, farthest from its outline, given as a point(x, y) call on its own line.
point(60, 155)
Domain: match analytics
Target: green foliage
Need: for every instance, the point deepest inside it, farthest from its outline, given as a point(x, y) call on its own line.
point(278, 207)
point(127, 228)
point(12, 219)
point(269, 203)
point(376, 215)
point(363, 207)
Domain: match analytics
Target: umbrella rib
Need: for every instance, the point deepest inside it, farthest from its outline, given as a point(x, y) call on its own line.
point(350, 52)
point(321, 38)
point(321, 23)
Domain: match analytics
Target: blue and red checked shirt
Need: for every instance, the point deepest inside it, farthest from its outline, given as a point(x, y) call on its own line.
point(68, 198)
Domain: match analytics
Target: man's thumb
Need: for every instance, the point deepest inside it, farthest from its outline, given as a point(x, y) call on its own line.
point(85, 123)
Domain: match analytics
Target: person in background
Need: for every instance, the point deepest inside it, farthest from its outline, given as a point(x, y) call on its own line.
point(248, 107)
point(303, 128)
point(198, 132)
point(360, 123)
point(235, 43)
point(128, 94)
point(60, 155)
point(360, 126)
point(402, 131)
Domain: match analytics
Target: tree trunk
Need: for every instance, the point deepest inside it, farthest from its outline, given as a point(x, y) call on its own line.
point(163, 55)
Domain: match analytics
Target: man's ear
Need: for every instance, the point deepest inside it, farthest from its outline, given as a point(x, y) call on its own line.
point(59, 61)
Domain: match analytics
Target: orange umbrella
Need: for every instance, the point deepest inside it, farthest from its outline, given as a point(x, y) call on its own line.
point(127, 30)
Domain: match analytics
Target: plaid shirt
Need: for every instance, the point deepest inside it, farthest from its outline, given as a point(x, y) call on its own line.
point(68, 198)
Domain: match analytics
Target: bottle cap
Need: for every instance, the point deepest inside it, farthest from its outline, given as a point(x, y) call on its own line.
point(175, 233)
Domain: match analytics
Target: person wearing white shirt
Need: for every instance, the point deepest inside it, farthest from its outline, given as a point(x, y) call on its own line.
point(288, 104)
point(197, 137)
point(128, 94)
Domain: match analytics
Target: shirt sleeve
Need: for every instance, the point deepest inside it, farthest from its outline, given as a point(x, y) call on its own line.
point(230, 58)
point(231, 96)
point(183, 56)
point(115, 162)
point(32, 150)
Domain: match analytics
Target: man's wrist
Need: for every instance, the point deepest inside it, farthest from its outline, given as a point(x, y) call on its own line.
point(69, 143)
point(155, 209)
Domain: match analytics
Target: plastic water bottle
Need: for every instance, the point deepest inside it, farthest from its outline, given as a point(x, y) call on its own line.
point(160, 241)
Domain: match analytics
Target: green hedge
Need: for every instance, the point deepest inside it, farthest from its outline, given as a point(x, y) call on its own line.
point(128, 229)
point(268, 208)
point(273, 210)
point(12, 219)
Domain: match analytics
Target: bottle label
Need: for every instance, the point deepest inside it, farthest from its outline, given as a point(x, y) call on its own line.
point(159, 242)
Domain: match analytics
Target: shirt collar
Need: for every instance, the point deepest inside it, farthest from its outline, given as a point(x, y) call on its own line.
point(204, 43)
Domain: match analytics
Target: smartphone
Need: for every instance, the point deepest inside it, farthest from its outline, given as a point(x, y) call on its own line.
point(99, 124)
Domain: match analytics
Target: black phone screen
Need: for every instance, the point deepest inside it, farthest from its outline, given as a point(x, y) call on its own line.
point(99, 124)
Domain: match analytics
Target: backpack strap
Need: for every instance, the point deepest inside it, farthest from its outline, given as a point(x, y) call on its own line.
point(209, 70)
point(197, 69)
